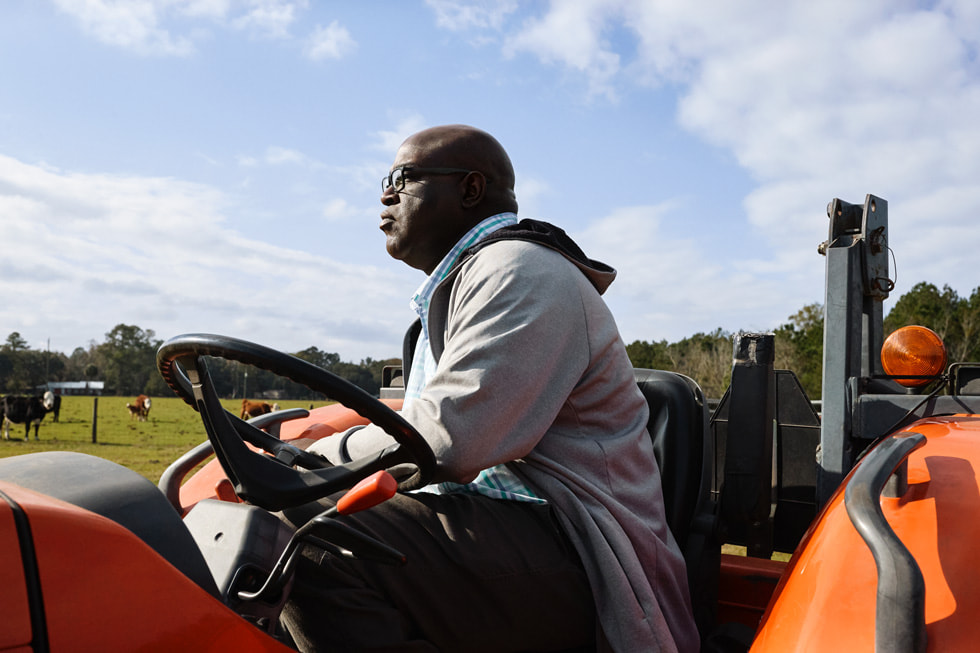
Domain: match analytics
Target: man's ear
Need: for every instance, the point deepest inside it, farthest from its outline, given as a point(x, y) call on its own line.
point(473, 189)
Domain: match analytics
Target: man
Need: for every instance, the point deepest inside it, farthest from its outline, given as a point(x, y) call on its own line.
point(546, 529)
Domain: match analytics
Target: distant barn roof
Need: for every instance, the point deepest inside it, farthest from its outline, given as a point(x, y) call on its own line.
point(74, 387)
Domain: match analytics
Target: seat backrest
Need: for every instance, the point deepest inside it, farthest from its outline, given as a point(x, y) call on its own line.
point(682, 444)
point(678, 427)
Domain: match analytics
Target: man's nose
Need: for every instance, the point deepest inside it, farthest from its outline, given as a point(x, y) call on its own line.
point(389, 196)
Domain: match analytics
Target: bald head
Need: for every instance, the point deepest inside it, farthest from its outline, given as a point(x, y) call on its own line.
point(451, 179)
point(462, 146)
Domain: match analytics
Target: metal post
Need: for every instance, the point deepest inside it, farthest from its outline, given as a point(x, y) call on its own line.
point(856, 284)
point(747, 500)
point(95, 417)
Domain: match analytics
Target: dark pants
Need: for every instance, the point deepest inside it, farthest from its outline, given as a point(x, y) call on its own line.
point(482, 575)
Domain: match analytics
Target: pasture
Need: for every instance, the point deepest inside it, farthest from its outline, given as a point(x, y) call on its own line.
point(146, 447)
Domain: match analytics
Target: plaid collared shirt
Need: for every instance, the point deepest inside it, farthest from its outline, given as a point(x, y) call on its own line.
point(496, 482)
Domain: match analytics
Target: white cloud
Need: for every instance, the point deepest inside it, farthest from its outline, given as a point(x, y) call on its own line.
point(459, 15)
point(571, 33)
point(338, 210)
point(129, 25)
point(531, 193)
point(330, 42)
point(812, 99)
point(388, 141)
point(668, 288)
point(152, 27)
point(815, 101)
point(214, 9)
point(275, 155)
point(97, 250)
point(892, 113)
point(211, 161)
point(270, 18)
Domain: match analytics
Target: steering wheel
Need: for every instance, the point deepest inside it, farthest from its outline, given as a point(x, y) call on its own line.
point(272, 482)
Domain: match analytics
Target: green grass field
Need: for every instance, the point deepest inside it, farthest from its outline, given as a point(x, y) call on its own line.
point(147, 447)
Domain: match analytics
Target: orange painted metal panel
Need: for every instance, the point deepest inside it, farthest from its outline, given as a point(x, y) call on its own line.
point(105, 590)
point(322, 422)
point(327, 420)
point(745, 587)
point(826, 600)
point(16, 630)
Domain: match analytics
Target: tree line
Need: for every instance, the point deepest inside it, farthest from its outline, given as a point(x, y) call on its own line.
point(126, 360)
point(707, 357)
point(126, 363)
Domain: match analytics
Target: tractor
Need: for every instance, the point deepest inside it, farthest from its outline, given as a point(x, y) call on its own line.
point(839, 526)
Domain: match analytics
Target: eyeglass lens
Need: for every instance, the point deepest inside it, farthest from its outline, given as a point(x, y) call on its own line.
point(394, 178)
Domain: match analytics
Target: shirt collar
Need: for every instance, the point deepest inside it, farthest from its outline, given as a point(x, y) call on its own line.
point(420, 300)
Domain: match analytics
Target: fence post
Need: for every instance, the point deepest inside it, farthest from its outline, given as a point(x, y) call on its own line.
point(95, 417)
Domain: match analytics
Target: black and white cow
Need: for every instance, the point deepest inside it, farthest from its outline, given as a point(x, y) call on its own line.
point(26, 411)
point(55, 406)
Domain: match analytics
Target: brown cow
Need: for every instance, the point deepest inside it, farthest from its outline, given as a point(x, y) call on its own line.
point(140, 409)
point(252, 409)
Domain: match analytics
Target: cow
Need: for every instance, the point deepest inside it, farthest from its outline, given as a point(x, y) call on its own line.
point(255, 408)
point(26, 411)
point(55, 406)
point(140, 409)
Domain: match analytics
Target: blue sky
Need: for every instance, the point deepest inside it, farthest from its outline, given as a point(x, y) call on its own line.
point(215, 165)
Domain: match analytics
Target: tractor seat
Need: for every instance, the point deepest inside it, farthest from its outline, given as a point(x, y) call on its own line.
point(677, 426)
point(117, 493)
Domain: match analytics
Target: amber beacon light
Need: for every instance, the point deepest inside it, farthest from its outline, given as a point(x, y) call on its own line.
point(916, 351)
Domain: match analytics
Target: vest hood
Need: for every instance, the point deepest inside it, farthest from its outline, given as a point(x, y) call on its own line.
point(548, 235)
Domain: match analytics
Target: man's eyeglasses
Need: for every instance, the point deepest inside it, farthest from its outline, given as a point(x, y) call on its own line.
point(398, 176)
